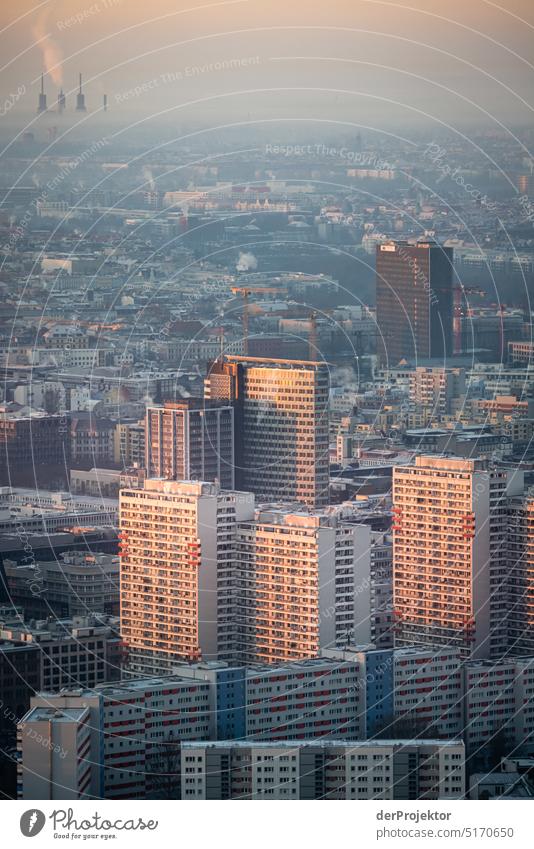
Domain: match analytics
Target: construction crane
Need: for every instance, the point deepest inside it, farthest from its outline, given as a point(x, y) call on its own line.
point(458, 292)
point(312, 336)
point(245, 293)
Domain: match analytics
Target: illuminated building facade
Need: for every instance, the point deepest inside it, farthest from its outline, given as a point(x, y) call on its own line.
point(175, 536)
point(450, 555)
point(300, 582)
point(191, 440)
point(281, 426)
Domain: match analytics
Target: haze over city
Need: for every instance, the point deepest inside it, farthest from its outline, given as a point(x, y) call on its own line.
point(267, 418)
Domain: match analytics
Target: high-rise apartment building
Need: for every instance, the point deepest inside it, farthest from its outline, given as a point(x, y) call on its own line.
point(450, 554)
point(299, 582)
point(191, 440)
point(175, 537)
point(520, 576)
point(414, 300)
point(281, 425)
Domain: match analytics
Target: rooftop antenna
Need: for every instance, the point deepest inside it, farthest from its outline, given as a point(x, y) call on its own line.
point(80, 99)
point(41, 106)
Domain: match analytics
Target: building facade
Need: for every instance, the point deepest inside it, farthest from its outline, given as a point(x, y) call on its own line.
point(176, 537)
point(282, 425)
point(414, 300)
point(300, 581)
point(450, 554)
point(330, 769)
point(191, 440)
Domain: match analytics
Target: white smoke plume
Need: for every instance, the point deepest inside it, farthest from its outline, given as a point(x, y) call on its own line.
point(52, 53)
point(149, 178)
point(246, 262)
point(344, 376)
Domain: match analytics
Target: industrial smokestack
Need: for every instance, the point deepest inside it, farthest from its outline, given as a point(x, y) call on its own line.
point(80, 99)
point(61, 102)
point(105, 103)
point(41, 106)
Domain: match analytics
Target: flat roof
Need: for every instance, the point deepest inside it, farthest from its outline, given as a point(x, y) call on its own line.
point(47, 714)
point(324, 744)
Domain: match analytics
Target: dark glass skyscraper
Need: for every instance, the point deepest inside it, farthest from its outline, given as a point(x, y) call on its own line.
point(414, 301)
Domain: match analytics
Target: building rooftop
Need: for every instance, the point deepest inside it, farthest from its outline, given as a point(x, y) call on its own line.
point(322, 743)
point(44, 714)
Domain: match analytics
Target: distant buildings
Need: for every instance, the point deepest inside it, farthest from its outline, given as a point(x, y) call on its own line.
point(84, 650)
point(433, 390)
point(360, 698)
point(92, 440)
point(414, 300)
point(520, 575)
point(54, 748)
point(521, 353)
point(128, 744)
point(25, 511)
point(35, 449)
point(204, 574)
point(130, 444)
point(20, 678)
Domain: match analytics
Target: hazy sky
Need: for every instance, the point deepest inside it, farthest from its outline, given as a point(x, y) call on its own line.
point(375, 63)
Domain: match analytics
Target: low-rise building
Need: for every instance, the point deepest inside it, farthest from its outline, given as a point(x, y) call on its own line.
point(329, 769)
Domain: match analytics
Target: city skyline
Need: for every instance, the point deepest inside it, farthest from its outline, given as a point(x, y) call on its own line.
point(266, 415)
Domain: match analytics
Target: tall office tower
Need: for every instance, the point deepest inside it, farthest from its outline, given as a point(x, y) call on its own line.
point(281, 425)
point(520, 572)
point(414, 300)
point(191, 440)
point(434, 390)
point(299, 582)
point(450, 554)
point(175, 536)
